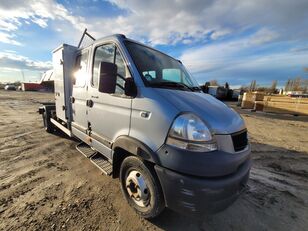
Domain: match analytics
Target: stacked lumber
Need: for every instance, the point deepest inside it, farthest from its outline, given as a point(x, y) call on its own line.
point(249, 99)
point(247, 102)
point(259, 105)
point(286, 105)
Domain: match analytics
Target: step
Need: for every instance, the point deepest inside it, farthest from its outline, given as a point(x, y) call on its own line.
point(85, 150)
point(102, 163)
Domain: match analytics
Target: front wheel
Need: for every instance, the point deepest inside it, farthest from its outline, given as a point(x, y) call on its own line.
point(141, 187)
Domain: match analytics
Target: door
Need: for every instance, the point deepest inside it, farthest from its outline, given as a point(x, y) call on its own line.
point(63, 62)
point(108, 114)
point(59, 83)
point(79, 94)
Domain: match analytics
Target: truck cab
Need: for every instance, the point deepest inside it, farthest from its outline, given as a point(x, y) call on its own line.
point(142, 117)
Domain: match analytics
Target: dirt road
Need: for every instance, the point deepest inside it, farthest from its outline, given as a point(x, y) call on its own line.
point(45, 184)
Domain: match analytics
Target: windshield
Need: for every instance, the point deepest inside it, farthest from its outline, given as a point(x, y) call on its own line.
point(160, 70)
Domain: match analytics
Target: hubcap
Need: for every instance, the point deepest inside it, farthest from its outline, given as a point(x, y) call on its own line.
point(137, 188)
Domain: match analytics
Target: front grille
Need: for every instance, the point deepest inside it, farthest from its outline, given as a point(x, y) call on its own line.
point(240, 140)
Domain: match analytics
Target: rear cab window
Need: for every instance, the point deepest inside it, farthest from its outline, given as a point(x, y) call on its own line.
point(80, 74)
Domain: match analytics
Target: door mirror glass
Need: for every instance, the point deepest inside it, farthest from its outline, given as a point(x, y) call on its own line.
point(130, 87)
point(107, 77)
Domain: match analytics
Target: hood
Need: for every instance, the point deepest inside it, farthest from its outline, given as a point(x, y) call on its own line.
point(218, 116)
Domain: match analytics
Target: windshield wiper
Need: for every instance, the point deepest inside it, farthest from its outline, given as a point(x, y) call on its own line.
point(171, 84)
point(196, 88)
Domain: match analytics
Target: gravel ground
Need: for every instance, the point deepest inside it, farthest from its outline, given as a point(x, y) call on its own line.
point(46, 184)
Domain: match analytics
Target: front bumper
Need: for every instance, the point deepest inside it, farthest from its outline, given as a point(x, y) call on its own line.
point(203, 164)
point(202, 185)
point(197, 195)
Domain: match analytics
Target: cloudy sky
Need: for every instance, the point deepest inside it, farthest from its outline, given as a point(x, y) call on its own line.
point(234, 41)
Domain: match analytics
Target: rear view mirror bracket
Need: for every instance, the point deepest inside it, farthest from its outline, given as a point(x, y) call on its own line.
point(130, 87)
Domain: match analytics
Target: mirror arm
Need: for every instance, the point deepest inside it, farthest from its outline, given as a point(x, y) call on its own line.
point(120, 86)
point(130, 87)
point(121, 77)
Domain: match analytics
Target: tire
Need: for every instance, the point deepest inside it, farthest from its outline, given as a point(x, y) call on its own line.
point(49, 127)
point(153, 201)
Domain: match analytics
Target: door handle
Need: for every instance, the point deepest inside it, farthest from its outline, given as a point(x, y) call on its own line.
point(89, 103)
point(145, 114)
point(72, 99)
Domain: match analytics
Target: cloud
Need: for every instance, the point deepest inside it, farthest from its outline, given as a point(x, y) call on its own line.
point(299, 49)
point(219, 55)
point(13, 61)
point(8, 26)
point(165, 22)
point(13, 14)
point(9, 39)
point(38, 11)
point(14, 67)
point(239, 62)
point(220, 33)
point(263, 36)
point(40, 21)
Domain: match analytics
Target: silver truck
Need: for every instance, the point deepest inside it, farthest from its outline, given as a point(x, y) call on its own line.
point(142, 117)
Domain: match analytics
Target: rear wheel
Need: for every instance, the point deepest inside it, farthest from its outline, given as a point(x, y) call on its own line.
point(141, 187)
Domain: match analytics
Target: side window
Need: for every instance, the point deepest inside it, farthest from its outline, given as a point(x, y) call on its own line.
point(103, 53)
point(80, 75)
point(110, 53)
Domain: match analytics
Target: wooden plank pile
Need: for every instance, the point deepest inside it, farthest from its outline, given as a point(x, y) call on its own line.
point(286, 105)
point(283, 104)
point(250, 98)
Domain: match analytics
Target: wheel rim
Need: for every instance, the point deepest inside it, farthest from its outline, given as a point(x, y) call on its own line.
point(137, 189)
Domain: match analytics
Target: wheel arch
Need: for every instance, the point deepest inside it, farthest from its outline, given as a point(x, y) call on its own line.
point(127, 146)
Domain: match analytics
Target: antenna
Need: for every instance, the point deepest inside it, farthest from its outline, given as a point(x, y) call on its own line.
point(23, 75)
point(83, 35)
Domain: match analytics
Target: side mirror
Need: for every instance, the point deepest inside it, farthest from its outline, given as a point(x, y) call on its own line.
point(107, 77)
point(130, 87)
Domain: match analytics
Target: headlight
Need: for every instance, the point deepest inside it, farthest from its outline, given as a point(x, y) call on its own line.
point(189, 132)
